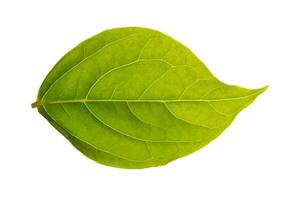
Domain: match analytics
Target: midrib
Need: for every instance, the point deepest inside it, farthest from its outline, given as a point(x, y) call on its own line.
point(43, 103)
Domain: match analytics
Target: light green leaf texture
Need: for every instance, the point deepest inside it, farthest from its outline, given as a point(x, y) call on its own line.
point(136, 98)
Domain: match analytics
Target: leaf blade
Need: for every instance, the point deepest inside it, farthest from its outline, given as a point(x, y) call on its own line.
point(137, 99)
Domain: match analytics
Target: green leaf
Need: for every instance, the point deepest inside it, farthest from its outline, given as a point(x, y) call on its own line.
point(136, 98)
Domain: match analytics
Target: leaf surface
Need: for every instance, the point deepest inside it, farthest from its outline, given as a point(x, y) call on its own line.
point(136, 98)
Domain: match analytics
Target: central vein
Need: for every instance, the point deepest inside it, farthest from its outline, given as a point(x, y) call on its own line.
point(43, 103)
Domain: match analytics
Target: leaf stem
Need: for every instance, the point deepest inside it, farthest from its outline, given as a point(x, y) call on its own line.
point(36, 104)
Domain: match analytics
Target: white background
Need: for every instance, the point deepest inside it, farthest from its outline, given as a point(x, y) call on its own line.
point(248, 43)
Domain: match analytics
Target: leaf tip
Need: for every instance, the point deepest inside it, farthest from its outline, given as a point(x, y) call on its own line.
point(259, 91)
point(262, 89)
